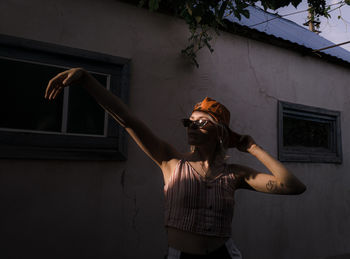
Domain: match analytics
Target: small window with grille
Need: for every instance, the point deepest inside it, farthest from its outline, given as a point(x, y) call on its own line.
point(308, 134)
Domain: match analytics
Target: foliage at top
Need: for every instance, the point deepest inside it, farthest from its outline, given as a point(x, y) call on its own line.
point(205, 15)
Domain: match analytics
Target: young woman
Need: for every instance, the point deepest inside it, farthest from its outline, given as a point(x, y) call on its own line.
point(199, 185)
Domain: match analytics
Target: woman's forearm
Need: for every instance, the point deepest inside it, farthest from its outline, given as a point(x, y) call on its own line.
point(277, 169)
point(157, 149)
point(106, 99)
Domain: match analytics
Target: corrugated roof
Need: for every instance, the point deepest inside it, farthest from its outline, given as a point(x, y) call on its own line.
point(272, 24)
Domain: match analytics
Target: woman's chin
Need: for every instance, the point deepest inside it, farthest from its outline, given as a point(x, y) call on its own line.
point(192, 143)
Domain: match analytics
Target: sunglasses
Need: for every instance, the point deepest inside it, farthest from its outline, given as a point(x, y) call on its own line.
point(198, 124)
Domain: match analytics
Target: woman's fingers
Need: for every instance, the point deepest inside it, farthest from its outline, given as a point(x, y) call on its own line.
point(243, 142)
point(58, 90)
point(69, 79)
point(246, 142)
point(62, 80)
point(54, 92)
point(54, 85)
point(49, 90)
point(54, 88)
point(50, 87)
point(51, 94)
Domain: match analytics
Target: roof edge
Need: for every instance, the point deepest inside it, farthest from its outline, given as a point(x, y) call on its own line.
point(254, 34)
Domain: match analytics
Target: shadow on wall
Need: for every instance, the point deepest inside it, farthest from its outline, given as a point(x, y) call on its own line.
point(343, 256)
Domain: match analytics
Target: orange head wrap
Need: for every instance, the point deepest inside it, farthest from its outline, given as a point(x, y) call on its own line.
point(220, 113)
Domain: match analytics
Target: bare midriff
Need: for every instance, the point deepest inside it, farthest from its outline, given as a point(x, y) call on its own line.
point(193, 243)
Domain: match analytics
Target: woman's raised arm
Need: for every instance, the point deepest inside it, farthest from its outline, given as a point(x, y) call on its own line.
point(282, 181)
point(158, 150)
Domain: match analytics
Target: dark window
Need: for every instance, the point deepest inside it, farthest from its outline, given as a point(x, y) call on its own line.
point(308, 134)
point(73, 126)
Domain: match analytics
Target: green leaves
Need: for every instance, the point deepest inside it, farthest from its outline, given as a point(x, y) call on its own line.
point(275, 4)
point(153, 4)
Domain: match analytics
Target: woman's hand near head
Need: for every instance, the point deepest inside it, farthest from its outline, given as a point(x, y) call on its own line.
point(243, 142)
point(66, 78)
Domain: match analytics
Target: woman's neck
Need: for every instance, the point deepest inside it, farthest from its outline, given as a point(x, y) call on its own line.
point(207, 156)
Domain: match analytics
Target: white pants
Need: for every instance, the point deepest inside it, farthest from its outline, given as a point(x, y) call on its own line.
point(230, 245)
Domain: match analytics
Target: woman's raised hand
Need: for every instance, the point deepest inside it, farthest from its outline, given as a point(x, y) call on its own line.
point(62, 80)
point(243, 142)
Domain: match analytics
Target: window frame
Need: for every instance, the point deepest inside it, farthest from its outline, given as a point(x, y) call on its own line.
point(310, 154)
point(35, 145)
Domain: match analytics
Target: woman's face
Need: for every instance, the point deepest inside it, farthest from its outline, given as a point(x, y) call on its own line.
point(207, 135)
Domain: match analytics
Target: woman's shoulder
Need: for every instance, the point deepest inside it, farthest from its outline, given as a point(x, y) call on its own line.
point(171, 165)
point(178, 158)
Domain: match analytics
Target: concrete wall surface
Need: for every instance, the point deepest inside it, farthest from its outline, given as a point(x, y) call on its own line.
point(95, 209)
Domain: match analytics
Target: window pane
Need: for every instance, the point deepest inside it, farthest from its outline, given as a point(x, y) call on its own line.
point(22, 102)
point(306, 133)
point(85, 115)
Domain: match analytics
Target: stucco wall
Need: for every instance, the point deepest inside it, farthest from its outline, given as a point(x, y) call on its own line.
point(87, 209)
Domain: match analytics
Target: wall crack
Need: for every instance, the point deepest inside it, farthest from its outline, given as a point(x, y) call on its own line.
point(262, 91)
point(135, 207)
point(251, 64)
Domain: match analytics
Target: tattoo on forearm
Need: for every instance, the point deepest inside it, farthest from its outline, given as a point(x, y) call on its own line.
point(271, 185)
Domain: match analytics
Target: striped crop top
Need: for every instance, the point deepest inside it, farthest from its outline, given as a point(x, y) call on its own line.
point(197, 205)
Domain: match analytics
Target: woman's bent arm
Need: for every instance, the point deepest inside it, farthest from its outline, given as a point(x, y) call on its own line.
point(158, 150)
point(282, 181)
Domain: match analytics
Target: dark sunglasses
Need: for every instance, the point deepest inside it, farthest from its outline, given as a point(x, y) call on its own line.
point(198, 124)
